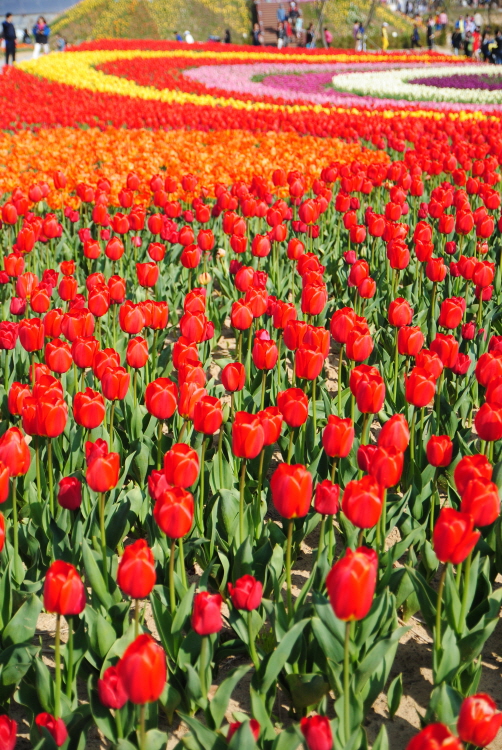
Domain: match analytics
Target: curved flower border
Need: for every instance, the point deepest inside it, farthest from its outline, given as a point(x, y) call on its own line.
point(395, 84)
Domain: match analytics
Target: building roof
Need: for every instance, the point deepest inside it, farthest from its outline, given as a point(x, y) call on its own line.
point(29, 7)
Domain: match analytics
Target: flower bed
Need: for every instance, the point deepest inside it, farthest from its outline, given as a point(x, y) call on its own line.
point(251, 403)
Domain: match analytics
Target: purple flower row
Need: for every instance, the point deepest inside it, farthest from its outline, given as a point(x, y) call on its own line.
point(481, 81)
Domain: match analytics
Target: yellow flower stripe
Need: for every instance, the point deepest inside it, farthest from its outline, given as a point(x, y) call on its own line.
point(78, 69)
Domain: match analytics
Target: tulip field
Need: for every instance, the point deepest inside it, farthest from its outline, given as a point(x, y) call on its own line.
point(251, 400)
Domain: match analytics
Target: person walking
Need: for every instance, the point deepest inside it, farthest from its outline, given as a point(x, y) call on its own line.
point(385, 37)
point(430, 34)
point(328, 37)
point(415, 37)
point(41, 33)
point(9, 37)
point(281, 35)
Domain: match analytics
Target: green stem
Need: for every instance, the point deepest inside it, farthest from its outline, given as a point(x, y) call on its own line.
point(365, 430)
point(383, 521)
point(15, 523)
point(51, 476)
point(437, 632)
point(112, 414)
point(263, 389)
point(136, 618)
point(204, 657)
point(103, 535)
point(346, 683)
point(321, 538)
point(135, 387)
point(290, 446)
point(438, 400)
point(412, 435)
point(252, 647)
point(241, 501)
point(433, 502)
point(57, 658)
point(172, 592)
point(142, 729)
point(360, 537)
point(465, 592)
point(201, 485)
point(37, 460)
point(314, 405)
point(69, 676)
point(118, 724)
point(288, 567)
point(396, 366)
point(340, 373)
point(182, 563)
point(159, 443)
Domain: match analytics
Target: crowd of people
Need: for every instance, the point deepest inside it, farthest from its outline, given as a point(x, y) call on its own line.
point(290, 30)
point(39, 38)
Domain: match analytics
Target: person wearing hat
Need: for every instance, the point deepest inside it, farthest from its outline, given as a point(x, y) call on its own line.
point(385, 37)
point(188, 37)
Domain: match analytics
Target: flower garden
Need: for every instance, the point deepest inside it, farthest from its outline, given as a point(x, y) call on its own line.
point(251, 399)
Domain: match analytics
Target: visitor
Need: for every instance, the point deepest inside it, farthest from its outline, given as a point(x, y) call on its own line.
point(310, 36)
point(456, 41)
point(41, 33)
point(281, 14)
point(9, 37)
point(497, 48)
point(415, 37)
point(257, 35)
point(430, 34)
point(178, 36)
point(227, 39)
point(188, 38)
point(360, 39)
point(289, 32)
point(443, 20)
point(468, 44)
point(60, 43)
point(355, 31)
point(26, 37)
point(476, 45)
point(328, 37)
point(385, 37)
point(281, 35)
point(299, 27)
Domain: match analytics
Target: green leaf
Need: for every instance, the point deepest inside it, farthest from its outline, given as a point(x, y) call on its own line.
point(279, 657)
point(243, 739)
point(288, 739)
point(375, 657)
point(382, 740)
point(208, 739)
point(307, 689)
point(155, 740)
point(102, 716)
point(95, 578)
point(219, 703)
point(427, 597)
point(24, 623)
point(394, 695)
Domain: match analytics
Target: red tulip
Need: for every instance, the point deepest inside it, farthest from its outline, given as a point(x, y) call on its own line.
point(102, 469)
point(161, 398)
point(136, 571)
point(291, 487)
point(70, 493)
point(400, 313)
point(478, 721)
point(386, 466)
point(142, 670)
point(317, 732)
point(64, 592)
point(362, 502)
point(454, 536)
point(247, 435)
point(481, 500)
point(206, 615)
point(55, 727)
point(439, 450)
point(173, 512)
point(293, 404)
point(246, 593)
point(435, 737)
point(326, 499)
point(111, 690)
point(271, 421)
point(469, 468)
point(351, 584)
point(419, 387)
point(8, 729)
point(14, 452)
point(488, 422)
point(338, 436)
point(208, 415)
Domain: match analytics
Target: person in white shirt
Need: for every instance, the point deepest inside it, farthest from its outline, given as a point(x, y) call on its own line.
point(188, 38)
